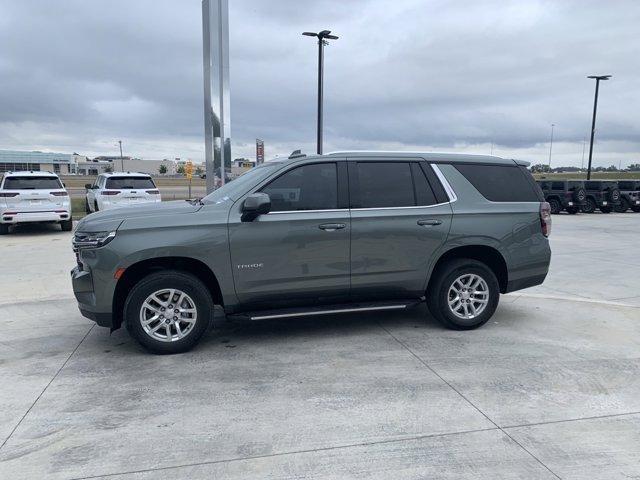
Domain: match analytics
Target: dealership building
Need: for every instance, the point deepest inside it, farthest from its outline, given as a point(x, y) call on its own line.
point(62, 163)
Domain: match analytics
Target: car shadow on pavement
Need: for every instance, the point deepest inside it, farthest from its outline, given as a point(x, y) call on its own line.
point(32, 229)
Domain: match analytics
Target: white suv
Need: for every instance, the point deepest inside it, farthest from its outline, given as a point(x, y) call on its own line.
point(120, 189)
point(33, 197)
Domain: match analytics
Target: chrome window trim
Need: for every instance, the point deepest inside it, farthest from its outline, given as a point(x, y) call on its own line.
point(310, 211)
point(445, 183)
point(399, 208)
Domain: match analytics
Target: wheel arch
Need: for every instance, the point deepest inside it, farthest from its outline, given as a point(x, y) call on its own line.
point(134, 273)
point(486, 254)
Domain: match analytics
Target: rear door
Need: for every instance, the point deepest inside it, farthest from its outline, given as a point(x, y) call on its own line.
point(400, 215)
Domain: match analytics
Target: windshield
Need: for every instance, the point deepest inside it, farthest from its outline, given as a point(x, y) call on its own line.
point(31, 183)
point(129, 182)
point(236, 188)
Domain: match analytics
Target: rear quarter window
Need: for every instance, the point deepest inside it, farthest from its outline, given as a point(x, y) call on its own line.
point(501, 183)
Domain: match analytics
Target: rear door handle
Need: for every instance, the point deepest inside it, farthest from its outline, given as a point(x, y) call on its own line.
point(330, 227)
point(429, 223)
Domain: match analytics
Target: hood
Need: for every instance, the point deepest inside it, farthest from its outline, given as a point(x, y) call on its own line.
point(108, 220)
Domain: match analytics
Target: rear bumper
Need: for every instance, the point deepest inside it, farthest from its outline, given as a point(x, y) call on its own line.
point(12, 216)
point(82, 283)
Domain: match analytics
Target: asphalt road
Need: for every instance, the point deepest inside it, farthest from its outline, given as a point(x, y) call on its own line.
point(550, 388)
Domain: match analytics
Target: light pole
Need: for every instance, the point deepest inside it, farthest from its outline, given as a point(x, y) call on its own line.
point(551, 145)
point(121, 159)
point(324, 34)
point(593, 121)
point(584, 144)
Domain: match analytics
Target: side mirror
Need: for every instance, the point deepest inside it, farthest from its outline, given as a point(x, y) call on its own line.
point(255, 205)
point(88, 186)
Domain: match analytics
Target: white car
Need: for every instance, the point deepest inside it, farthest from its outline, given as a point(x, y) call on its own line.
point(34, 196)
point(120, 189)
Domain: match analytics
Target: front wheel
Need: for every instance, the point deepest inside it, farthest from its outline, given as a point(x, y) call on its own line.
point(555, 206)
point(622, 207)
point(589, 205)
point(167, 312)
point(464, 294)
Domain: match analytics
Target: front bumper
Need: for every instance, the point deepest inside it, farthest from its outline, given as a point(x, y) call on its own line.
point(82, 282)
point(12, 216)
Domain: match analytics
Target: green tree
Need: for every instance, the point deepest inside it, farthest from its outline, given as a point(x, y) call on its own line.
point(180, 170)
point(540, 168)
point(108, 169)
point(162, 169)
point(634, 167)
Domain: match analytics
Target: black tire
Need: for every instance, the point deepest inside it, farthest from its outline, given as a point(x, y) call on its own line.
point(169, 279)
point(572, 210)
point(438, 293)
point(66, 225)
point(606, 209)
point(635, 209)
point(589, 205)
point(86, 206)
point(555, 206)
point(4, 228)
point(622, 207)
point(95, 205)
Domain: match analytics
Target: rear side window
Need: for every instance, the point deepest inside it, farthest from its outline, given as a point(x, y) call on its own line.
point(309, 187)
point(557, 186)
point(382, 184)
point(31, 183)
point(129, 183)
point(500, 183)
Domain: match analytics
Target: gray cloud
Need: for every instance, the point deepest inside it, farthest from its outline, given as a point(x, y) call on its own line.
point(455, 76)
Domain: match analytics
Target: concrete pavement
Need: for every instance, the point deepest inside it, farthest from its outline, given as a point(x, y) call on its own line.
point(549, 388)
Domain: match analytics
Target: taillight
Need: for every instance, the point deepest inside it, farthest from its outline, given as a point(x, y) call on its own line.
point(154, 192)
point(59, 194)
point(545, 218)
point(8, 194)
point(110, 192)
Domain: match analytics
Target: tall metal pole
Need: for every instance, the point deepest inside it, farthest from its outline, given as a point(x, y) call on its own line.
point(320, 92)
point(584, 145)
point(217, 118)
point(551, 144)
point(121, 159)
point(593, 120)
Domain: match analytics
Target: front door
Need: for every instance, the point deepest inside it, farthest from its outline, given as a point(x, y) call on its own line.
point(299, 252)
point(398, 221)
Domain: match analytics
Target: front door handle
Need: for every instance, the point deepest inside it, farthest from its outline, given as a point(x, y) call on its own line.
point(429, 223)
point(331, 227)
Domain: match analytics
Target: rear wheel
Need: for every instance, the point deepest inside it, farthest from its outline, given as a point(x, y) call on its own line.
point(635, 209)
point(95, 206)
point(4, 228)
point(573, 210)
point(555, 206)
point(589, 205)
point(66, 225)
point(605, 209)
point(168, 312)
point(622, 207)
point(464, 294)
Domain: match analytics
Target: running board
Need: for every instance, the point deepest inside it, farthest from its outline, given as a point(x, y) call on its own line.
point(326, 310)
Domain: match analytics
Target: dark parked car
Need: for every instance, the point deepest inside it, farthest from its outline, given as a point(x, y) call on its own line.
point(602, 194)
point(629, 195)
point(319, 235)
point(569, 195)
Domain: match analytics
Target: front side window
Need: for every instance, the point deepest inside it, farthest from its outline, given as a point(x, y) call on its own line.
point(384, 184)
point(309, 187)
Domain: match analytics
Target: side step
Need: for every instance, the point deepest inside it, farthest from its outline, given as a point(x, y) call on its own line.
point(325, 310)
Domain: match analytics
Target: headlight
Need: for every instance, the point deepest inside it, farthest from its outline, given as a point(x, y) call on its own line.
point(92, 239)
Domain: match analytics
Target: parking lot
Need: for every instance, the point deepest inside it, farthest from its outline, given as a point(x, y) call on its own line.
point(549, 388)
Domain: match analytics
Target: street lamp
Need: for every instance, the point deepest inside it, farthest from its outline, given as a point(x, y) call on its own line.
point(322, 36)
point(593, 121)
point(551, 145)
point(121, 159)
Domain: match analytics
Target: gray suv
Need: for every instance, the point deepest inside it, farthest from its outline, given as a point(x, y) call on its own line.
point(343, 232)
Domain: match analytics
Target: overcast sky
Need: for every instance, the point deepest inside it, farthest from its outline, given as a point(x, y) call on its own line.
point(77, 75)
